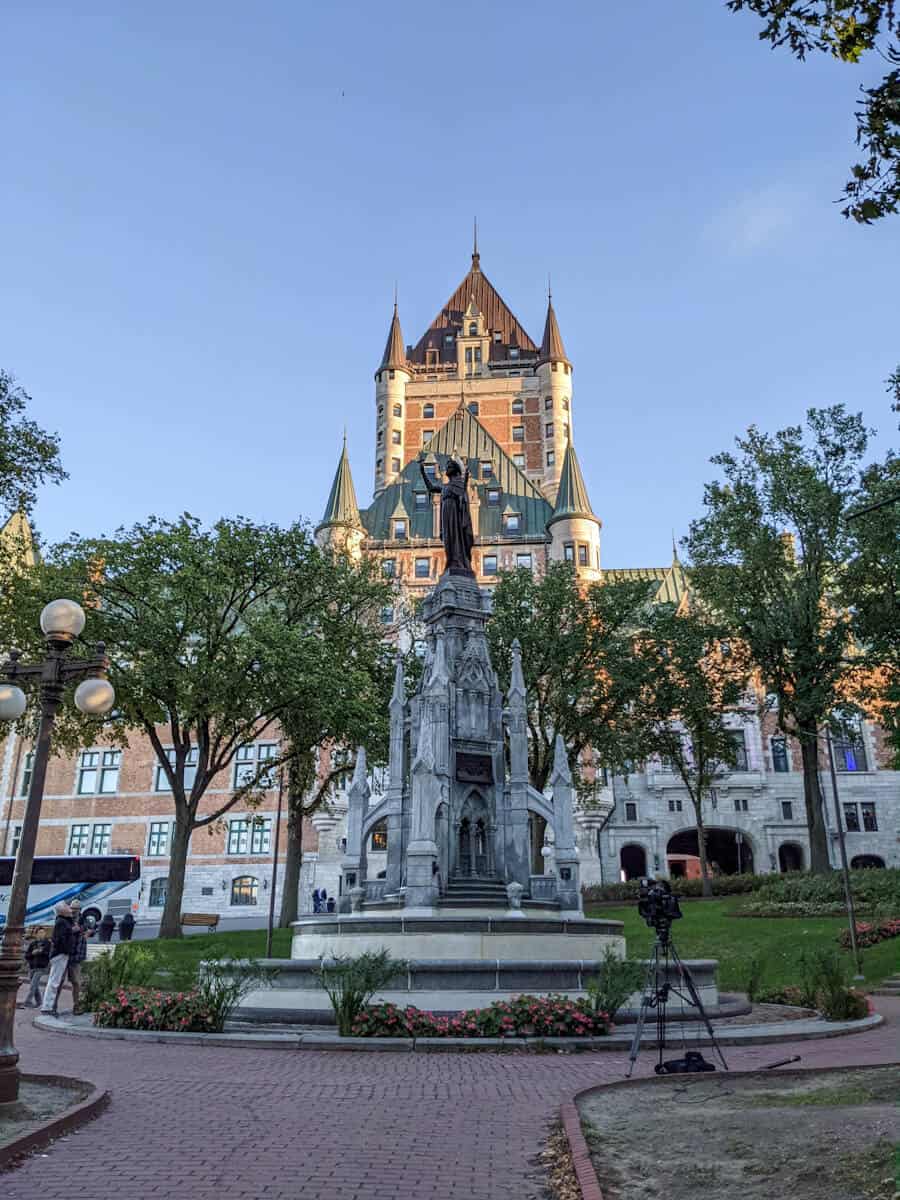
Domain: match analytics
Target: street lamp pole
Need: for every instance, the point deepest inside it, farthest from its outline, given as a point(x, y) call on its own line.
point(845, 869)
point(62, 622)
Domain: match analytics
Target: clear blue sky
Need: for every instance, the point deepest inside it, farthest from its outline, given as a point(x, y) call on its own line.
point(204, 207)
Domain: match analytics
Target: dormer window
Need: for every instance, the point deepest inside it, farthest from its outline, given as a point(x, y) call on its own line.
point(473, 329)
point(493, 497)
point(448, 339)
point(498, 337)
point(431, 358)
point(511, 523)
point(487, 468)
point(421, 499)
point(399, 530)
point(428, 411)
point(514, 352)
point(430, 469)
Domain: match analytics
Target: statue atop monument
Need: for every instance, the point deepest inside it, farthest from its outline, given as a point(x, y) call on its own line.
point(456, 520)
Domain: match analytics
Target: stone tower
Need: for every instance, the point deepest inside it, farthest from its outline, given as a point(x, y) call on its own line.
point(391, 380)
point(554, 374)
point(341, 528)
point(573, 528)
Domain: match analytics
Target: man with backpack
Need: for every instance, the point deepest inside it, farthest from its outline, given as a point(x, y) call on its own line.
point(37, 959)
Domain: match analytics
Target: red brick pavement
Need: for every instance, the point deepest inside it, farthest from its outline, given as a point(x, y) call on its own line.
point(210, 1123)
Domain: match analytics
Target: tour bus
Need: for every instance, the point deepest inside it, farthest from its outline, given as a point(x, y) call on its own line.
point(103, 883)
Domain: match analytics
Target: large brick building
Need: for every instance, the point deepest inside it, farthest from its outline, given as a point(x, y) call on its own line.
point(476, 386)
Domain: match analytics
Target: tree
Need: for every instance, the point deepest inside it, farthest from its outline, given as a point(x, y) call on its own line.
point(849, 30)
point(29, 456)
point(871, 592)
point(215, 636)
point(694, 679)
point(769, 560)
point(579, 668)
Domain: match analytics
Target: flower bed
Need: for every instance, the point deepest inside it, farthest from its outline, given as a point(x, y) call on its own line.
point(869, 933)
point(147, 1008)
point(525, 1016)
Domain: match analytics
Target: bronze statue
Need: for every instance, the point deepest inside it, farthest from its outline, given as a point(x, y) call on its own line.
point(456, 521)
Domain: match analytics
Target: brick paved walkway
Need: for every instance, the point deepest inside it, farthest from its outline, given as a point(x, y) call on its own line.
point(210, 1123)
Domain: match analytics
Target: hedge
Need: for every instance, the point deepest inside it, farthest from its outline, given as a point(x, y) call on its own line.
point(871, 886)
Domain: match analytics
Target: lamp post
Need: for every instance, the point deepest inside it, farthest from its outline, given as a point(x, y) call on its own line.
point(61, 622)
point(845, 869)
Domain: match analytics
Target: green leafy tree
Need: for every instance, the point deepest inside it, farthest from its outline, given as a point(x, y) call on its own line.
point(29, 456)
point(215, 636)
point(581, 675)
point(850, 31)
point(694, 680)
point(769, 559)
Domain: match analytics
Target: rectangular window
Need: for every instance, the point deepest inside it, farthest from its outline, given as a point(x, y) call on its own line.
point(238, 836)
point(427, 435)
point(518, 407)
point(493, 497)
point(851, 818)
point(448, 339)
point(389, 567)
point(387, 615)
point(421, 499)
point(158, 888)
point(518, 433)
point(158, 842)
point(582, 555)
point(780, 755)
point(511, 522)
point(27, 772)
point(849, 753)
point(190, 771)
point(630, 810)
point(514, 352)
point(247, 762)
point(551, 458)
point(396, 437)
point(398, 411)
point(548, 429)
point(261, 836)
point(548, 403)
point(88, 768)
point(869, 819)
point(740, 749)
point(498, 337)
point(400, 530)
point(523, 560)
point(740, 804)
point(16, 838)
point(519, 460)
point(395, 465)
point(109, 771)
point(675, 804)
point(787, 810)
point(487, 468)
point(489, 564)
point(569, 552)
point(79, 836)
point(100, 839)
point(423, 568)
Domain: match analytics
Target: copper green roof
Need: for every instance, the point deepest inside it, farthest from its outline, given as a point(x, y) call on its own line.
point(665, 585)
point(552, 348)
point(462, 434)
point(342, 508)
point(572, 498)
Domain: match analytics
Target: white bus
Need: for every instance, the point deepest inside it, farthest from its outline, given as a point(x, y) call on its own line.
point(103, 883)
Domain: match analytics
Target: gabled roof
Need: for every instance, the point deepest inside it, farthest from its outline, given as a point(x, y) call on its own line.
point(665, 585)
point(342, 508)
point(394, 353)
point(572, 498)
point(464, 435)
point(552, 348)
point(497, 318)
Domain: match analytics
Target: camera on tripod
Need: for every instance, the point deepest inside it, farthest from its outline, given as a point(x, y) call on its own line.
point(657, 905)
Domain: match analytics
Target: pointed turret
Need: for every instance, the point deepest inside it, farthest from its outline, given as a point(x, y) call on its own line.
point(394, 352)
point(573, 528)
point(391, 378)
point(572, 498)
point(552, 348)
point(341, 527)
point(554, 372)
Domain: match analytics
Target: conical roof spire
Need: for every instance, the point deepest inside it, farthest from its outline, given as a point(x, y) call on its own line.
point(552, 348)
point(342, 508)
point(394, 353)
point(572, 499)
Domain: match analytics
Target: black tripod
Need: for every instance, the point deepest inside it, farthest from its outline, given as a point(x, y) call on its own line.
point(657, 989)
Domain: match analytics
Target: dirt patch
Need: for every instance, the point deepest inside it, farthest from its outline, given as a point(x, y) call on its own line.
point(556, 1161)
point(830, 1135)
point(37, 1103)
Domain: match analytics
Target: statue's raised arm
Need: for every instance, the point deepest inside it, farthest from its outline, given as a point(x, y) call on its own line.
point(432, 487)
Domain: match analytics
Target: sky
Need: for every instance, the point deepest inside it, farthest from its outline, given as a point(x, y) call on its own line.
point(205, 207)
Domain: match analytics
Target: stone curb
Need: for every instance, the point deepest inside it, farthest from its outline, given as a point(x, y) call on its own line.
point(85, 1110)
point(757, 1035)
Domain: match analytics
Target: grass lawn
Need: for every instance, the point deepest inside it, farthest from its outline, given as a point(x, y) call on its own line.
point(707, 930)
point(180, 956)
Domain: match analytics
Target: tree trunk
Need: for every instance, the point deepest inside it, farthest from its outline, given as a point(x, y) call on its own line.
point(292, 863)
point(819, 861)
point(170, 926)
point(701, 851)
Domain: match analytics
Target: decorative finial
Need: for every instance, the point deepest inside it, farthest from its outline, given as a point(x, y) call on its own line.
point(549, 290)
point(395, 297)
point(345, 437)
point(674, 548)
point(476, 257)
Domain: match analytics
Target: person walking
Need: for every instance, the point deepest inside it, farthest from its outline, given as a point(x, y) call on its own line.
point(78, 954)
point(107, 927)
point(37, 958)
point(126, 928)
point(60, 948)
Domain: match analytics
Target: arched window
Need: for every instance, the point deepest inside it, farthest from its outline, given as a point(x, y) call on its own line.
point(427, 411)
point(158, 889)
point(245, 890)
point(473, 329)
point(871, 861)
point(379, 836)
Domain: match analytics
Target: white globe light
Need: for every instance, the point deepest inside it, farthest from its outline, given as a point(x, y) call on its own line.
point(94, 697)
point(12, 702)
point(546, 851)
point(63, 619)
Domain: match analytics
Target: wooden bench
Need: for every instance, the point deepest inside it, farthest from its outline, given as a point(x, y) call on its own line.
point(210, 920)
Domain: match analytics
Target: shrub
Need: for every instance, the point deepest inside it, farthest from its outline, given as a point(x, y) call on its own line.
point(870, 933)
point(753, 973)
point(870, 887)
point(824, 984)
point(722, 885)
point(524, 1016)
point(222, 983)
point(784, 995)
point(148, 1008)
point(352, 982)
point(787, 908)
point(127, 965)
point(614, 981)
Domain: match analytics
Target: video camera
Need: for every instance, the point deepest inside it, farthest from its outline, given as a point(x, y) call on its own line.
point(656, 904)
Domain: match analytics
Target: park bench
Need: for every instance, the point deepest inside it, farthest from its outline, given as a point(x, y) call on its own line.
point(210, 920)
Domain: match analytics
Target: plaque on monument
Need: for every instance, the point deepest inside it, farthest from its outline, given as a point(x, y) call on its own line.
point(474, 768)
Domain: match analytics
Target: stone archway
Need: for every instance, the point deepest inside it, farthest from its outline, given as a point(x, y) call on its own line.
point(537, 829)
point(728, 851)
point(867, 860)
point(632, 861)
point(790, 857)
point(474, 848)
